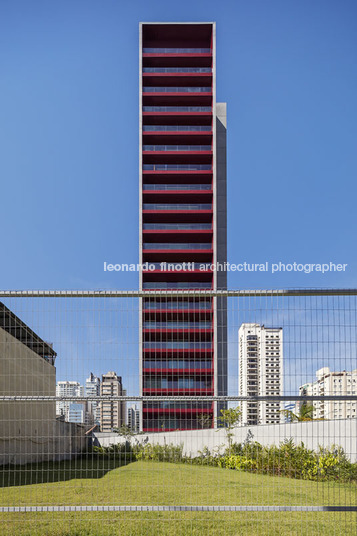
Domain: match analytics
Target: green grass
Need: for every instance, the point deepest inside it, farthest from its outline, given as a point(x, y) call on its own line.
point(110, 482)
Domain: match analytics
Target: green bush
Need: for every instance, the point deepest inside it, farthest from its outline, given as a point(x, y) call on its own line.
point(287, 459)
point(159, 453)
point(120, 449)
point(290, 460)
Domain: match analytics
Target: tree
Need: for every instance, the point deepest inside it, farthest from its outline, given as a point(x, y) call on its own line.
point(204, 420)
point(306, 413)
point(124, 431)
point(230, 419)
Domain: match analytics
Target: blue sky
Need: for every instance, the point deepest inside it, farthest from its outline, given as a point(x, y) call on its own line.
point(69, 148)
point(69, 137)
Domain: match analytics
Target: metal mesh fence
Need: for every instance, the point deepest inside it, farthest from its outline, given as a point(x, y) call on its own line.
point(193, 412)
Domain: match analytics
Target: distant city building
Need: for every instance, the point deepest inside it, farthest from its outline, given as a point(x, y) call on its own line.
point(112, 413)
point(133, 419)
point(77, 413)
point(67, 389)
point(73, 411)
point(261, 372)
point(93, 389)
point(332, 384)
point(290, 406)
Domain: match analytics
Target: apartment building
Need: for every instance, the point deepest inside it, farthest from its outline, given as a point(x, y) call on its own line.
point(133, 419)
point(93, 389)
point(330, 383)
point(112, 412)
point(260, 372)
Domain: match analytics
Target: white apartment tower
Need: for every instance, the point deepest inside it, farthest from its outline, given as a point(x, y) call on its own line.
point(261, 372)
point(112, 412)
point(67, 388)
point(332, 384)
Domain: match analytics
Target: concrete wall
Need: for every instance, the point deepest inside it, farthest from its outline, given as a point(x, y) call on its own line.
point(65, 441)
point(312, 434)
point(29, 431)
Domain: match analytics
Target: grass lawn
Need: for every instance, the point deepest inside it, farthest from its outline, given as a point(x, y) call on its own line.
point(106, 482)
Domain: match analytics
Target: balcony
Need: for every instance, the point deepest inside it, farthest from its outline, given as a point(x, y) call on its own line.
point(177, 405)
point(177, 128)
point(175, 267)
point(178, 367)
point(177, 345)
point(178, 306)
point(175, 109)
point(177, 50)
point(177, 167)
point(177, 325)
point(171, 285)
point(177, 148)
point(177, 227)
point(177, 89)
point(177, 245)
point(177, 70)
point(180, 207)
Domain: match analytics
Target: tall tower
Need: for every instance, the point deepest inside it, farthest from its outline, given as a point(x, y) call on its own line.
point(93, 389)
point(183, 346)
point(112, 413)
point(261, 372)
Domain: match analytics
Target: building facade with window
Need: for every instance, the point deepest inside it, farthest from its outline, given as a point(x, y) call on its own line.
point(261, 372)
point(93, 389)
point(133, 419)
point(183, 347)
point(112, 412)
point(330, 383)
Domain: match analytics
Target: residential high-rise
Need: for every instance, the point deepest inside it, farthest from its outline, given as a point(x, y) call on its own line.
point(93, 389)
point(261, 372)
point(331, 384)
point(112, 412)
point(133, 419)
point(183, 347)
point(67, 388)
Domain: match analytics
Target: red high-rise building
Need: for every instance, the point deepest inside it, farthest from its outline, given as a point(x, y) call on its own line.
point(183, 347)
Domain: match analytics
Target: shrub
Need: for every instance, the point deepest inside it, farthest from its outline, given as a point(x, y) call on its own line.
point(159, 453)
point(290, 460)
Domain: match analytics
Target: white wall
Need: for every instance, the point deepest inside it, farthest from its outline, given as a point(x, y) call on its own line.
point(314, 433)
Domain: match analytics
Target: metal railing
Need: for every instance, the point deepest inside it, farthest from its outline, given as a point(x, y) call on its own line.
point(176, 245)
point(179, 266)
point(177, 226)
point(177, 187)
point(177, 285)
point(177, 128)
point(183, 206)
point(177, 50)
point(177, 305)
point(177, 148)
point(176, 89)
point(177, 108)
point(177, 167)
point(177, 325)
point(177, 70)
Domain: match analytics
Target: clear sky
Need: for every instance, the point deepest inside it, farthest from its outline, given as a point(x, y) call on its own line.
point(69, 137)
point(69, 143)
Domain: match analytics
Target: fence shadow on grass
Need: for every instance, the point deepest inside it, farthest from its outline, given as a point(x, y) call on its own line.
point(91, 466)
